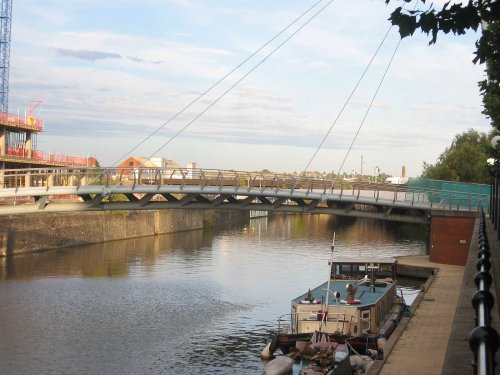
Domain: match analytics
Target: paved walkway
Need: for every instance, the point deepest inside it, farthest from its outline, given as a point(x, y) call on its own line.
point(423, 344)
point(435, 340)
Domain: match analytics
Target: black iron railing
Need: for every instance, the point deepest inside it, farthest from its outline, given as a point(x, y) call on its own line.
point(483, 339)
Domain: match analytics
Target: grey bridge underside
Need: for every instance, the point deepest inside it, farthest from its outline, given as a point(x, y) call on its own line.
point(151, 197)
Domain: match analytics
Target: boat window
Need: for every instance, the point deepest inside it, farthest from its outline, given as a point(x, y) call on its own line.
point(365, 322)
point(360, 270)
point(345, 268)
point(337, 269)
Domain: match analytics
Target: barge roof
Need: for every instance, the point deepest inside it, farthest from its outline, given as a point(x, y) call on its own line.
point(373, 259)
point(363, 293)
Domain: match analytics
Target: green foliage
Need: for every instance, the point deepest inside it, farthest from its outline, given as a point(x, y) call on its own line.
point(309, 296)
point(382, 177)
point(490, 87)
point(458, 18)
point(455, 18)
point(464, 160)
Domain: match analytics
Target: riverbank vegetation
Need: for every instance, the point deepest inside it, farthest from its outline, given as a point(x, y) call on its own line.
point(464, 160)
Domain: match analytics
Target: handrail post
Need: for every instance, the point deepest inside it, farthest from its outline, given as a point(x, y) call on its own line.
point(158, 178)
point(236, 181)
point(183, 179)
point(250, 182)
point(490, 208)
point(497, 209)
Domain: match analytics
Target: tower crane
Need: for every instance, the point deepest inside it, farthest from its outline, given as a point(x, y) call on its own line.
point(5, 31)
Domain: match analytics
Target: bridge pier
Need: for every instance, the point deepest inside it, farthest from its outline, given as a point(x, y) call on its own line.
point(450, 237)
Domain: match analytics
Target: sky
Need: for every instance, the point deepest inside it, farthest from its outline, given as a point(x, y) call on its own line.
point(110, 73)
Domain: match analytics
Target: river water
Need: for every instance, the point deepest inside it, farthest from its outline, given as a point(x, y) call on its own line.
point(197, 302)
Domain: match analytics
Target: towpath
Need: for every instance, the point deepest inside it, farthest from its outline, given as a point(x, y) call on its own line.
point(422, 346)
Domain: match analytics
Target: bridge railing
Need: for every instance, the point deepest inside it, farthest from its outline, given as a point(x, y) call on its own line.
point(448, 199)
point(126, 176)
point(129, 176)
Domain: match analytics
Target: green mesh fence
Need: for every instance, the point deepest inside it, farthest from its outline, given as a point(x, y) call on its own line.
point(455, 194)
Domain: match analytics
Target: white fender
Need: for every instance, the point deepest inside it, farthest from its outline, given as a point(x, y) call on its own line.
point(270, 348)
point(279, 366)
point(340, 356)
point(266, 352)
point(359, 360)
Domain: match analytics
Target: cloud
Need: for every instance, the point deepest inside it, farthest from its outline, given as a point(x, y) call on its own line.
point(87, 54)
point(149, 69)
point(142, 61)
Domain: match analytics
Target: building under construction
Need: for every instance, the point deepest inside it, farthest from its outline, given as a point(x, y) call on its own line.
point(18, 134)
point(18, 145)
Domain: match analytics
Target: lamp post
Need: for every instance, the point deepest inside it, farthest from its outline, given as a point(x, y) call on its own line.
point(495, 142)
point(491, 208)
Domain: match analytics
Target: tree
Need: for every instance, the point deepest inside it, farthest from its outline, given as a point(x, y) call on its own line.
point(464, 160)
point(458, 18)
point(490, 87)
point(455, 18)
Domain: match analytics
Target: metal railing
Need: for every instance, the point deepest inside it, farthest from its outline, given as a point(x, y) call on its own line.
point(483, 339)
point(112, 178)
point(343, 322)
point(21, 121)
point(42, 157)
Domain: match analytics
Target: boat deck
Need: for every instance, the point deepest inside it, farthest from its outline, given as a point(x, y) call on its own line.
point(363, 293)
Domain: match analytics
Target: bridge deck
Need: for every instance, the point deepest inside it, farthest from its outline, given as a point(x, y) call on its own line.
point(91, 189)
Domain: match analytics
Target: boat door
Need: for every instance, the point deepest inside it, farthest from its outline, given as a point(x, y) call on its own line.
point(365, 321)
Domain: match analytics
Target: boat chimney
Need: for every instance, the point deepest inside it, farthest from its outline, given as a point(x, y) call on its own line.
point(372, 277)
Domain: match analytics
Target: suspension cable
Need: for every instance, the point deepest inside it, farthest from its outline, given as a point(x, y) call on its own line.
point(225, 92)
point(215, 84)
point(347, 100)
point(368, 109)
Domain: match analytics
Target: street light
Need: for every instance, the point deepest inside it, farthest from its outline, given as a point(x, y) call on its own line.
point(494, 201)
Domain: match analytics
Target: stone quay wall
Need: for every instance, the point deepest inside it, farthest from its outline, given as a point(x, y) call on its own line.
point(30, 233)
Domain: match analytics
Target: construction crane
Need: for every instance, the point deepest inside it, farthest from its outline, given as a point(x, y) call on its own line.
point(5, 31)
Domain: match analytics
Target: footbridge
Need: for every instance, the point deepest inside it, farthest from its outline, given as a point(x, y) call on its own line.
point(30, 191)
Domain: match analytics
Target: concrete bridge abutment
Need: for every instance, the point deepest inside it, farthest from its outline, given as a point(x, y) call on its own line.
point(450, 237)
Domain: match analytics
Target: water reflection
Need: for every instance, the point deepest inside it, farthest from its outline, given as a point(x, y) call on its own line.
point(110, 259)
point(140, 255)
point(198, 302)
